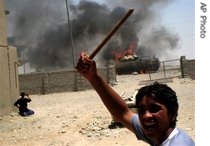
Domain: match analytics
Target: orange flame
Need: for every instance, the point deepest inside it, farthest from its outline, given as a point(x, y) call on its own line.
point(129, 51)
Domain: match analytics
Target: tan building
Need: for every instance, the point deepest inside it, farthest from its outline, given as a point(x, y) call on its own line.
point(9, 85)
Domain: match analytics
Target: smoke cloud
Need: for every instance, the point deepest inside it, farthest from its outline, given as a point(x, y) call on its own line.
point(43, 29)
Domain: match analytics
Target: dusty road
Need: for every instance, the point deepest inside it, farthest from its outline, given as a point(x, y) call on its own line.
point(80, 118)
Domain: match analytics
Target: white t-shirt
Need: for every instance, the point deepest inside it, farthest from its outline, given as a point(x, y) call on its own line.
point(176, 138)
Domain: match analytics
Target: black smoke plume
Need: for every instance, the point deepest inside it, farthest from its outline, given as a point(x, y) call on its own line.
point(42, 28)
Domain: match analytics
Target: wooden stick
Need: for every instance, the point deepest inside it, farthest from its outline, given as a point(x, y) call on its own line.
point(114, 29)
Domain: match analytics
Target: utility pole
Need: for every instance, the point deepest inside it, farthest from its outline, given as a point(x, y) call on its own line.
point(70, 33)
point(72, 47)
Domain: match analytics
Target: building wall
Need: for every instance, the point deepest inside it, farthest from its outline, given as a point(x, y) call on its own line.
point(3, 39)
point(9, 85)
point(13, 74)
point(4, 84)
point(8, 69)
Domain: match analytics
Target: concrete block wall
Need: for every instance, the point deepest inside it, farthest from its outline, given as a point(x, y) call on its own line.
point(30, 83)
point(108, 73)
point(49, 82)
point(187, 67)
point(60, 81)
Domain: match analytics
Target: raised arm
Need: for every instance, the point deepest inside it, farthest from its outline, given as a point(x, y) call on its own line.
point(111, 99)
point(28, 97)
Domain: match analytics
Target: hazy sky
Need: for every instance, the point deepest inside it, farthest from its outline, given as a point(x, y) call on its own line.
point(161, 28)
point(179, 17)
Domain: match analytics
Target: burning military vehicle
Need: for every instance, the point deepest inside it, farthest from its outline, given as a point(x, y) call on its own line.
point(128, 61)
point(132, 63)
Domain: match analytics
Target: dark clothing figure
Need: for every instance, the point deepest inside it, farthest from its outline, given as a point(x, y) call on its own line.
point(22, 104)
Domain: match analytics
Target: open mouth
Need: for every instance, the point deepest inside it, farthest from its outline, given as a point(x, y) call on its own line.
point(149, 126)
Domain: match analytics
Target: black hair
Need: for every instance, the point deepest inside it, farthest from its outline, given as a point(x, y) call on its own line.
point(164, 94)
point(22, 94)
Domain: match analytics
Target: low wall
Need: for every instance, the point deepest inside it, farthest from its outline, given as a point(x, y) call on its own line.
point(70, 80)
point(60, 81)
point(187, 68)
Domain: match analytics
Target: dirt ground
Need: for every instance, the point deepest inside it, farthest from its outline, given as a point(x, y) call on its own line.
point(80, 118)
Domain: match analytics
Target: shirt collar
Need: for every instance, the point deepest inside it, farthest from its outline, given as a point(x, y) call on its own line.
point(173, 133)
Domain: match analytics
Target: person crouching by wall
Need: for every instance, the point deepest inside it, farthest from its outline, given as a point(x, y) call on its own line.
point(22, 104)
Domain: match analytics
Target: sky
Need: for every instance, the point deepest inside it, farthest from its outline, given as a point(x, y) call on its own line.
point(179, 16)
point(164, 28)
